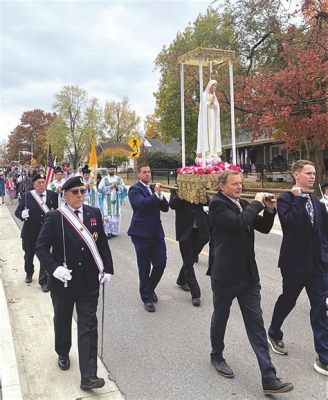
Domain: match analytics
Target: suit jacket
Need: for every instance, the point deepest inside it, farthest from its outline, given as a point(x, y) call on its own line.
point(50, 251)
point(146, 218)
point(232, 255)
point(185, 215)
point(304, 246)
point(33, 224)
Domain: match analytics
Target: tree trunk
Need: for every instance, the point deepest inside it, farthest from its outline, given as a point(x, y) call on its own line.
point(317, 157)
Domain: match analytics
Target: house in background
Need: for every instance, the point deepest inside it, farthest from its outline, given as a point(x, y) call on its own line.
point(172, 147)
point(254, 155)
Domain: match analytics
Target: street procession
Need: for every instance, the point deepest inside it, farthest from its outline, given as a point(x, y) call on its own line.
point(186, 259)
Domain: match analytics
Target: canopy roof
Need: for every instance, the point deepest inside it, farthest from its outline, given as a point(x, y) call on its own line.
point(206, 55)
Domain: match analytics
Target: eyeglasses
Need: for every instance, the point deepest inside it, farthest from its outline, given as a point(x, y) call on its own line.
point(77, 191)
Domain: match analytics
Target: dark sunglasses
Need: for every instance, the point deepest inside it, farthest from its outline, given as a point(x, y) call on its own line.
point(77, 191)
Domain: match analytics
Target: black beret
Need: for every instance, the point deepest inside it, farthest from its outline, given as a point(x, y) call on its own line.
point(324, 185)
point(86, 170)
point(38, 176)
point(111, 166)
point(75, 181)
point(58, 169)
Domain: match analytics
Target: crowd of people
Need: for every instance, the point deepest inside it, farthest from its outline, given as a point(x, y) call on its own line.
point(68, 223)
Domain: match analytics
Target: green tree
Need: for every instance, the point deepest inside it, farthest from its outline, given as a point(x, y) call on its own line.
point(77, 124)
point(160, 159)
point(119, 121)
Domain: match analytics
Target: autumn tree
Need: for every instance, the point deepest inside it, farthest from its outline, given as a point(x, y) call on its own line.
point(291, 103)
point(120, 122)
point(113, 156)
point(30, 135)
point(77, 124)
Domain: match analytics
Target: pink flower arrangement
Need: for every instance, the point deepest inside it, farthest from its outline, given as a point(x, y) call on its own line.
point(208, 169)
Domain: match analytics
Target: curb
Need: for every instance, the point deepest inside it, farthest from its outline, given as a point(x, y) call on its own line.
point(10, 384)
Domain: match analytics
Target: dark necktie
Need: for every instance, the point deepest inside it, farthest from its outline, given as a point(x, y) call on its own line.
point(42, 196)
point(77, 212)
point(309, 208)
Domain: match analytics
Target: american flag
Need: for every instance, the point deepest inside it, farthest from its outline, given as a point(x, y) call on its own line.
point(50, 167)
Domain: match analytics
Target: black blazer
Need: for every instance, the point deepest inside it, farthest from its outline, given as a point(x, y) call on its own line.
point(304, 246)
point(33, 224)
point(49, 249)
point(232, 238)
point(185, 215)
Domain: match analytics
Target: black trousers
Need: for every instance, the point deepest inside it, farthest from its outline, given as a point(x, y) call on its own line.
point(189, 250)
point(29, 249)
point(316, 286)
point(151, 260)
point(86, 303)
point(249, 299)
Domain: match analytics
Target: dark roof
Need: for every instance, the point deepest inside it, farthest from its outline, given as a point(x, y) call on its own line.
point(171, 147)
point(245, 138)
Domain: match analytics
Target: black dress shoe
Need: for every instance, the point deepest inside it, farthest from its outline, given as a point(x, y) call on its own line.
point(44, 288)
point(64, 362)
point(184, 287)
point(276, 386)
point(155, 298)
point(93, 382)
point(196, 302)
point(223, 368)
point(149, 306)
point(28, 278)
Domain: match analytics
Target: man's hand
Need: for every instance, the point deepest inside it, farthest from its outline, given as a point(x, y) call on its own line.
point(113, 185)
point(157, 188)
point(260, 197)
point(63, 274)
point(269, 201)
point(104, 278)
point(296, 191)
point(25, 213)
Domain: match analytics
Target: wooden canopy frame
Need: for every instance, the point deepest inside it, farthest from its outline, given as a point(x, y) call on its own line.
point(206, 57)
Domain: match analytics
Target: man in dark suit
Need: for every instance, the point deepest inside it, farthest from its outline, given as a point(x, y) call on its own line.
point(147, 234)
point(192, 233)
point(73, 246)
point(303, 261)
point(234, 273)
point(31, 209)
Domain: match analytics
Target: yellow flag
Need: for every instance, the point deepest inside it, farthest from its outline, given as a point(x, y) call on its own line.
point(93, 163)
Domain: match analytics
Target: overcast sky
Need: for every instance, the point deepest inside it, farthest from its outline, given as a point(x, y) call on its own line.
point(106, 47)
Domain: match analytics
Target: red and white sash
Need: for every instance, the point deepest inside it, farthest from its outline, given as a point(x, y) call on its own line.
point(38, 199)
point(84, 234)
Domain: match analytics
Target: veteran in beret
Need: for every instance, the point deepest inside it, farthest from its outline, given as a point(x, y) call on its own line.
point(73, 246)
point(32, 209)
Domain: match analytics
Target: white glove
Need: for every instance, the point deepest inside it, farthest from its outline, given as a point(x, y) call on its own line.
point(25, 214)
point(104, 278)
point(206, 209)
point(62, 273)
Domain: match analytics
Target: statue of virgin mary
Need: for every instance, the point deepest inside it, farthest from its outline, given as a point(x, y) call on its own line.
point(209, 133)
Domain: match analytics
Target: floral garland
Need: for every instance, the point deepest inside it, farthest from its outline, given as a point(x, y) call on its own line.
point(208, 169)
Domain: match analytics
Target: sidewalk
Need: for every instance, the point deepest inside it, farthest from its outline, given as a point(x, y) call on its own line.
point(28, 362)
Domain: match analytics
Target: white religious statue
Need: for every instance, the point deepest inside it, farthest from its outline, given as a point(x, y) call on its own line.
point(209, 133)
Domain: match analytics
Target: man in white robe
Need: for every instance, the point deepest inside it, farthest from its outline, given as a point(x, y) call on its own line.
point(111, 186)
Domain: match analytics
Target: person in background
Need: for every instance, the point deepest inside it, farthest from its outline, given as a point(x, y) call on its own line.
point(234, 273)
point(57, 183)
point(192, 233)
point(303, 261)
point(111, 186)
point(324, 192)
point(32, 209)
point(90, 197)
point(147, 234)
point(11, 189)
point(73, 246)
point(2, 187)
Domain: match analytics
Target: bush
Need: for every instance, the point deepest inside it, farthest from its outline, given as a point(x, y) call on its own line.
point(160, 159)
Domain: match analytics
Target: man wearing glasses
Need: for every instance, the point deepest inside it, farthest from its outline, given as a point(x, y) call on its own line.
point(74, 248)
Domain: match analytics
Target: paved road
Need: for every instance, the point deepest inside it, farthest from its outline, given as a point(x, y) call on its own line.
point(165, 355)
